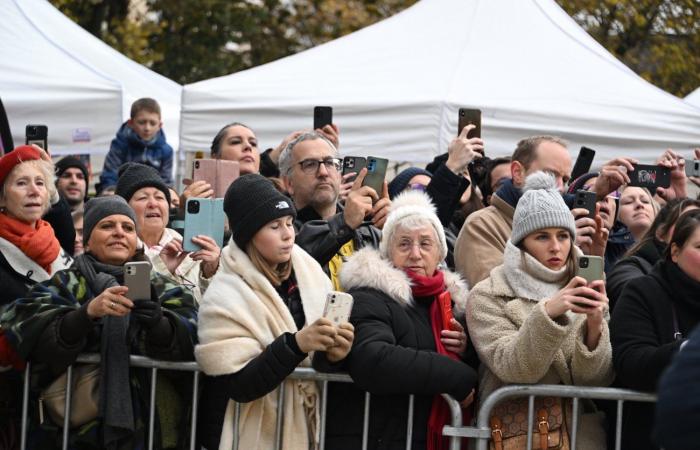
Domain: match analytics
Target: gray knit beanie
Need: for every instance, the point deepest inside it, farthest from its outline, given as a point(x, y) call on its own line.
point(100, 207)
point(541, 206)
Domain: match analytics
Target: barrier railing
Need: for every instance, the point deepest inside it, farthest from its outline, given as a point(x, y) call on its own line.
point(482, 432)
point(299, 374)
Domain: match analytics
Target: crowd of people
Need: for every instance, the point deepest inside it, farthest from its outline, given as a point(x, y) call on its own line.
point(497, 239)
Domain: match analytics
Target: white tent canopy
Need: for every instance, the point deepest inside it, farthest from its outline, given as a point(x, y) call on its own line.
point(55, 73)
point(694, 98)
point(396, 87)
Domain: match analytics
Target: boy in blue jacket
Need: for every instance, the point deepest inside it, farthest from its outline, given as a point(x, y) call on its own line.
point(139, 139)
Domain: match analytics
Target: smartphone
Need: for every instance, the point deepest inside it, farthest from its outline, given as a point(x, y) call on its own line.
point(650, 177)
point(38, 135)
point(583, 164)
point(586, 199)
point(323, 115)
point(219, 173)
point(692, 168)
point(137, 277)
point(338, 307)
point(376, 172)
point(445, 303)
point(353, 164)
point(203, 216)
point(469, 116)
point(591, 268)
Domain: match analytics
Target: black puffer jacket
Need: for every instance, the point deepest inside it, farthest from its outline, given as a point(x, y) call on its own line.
point(393, 355)
point(642, 335)
point(632, 267)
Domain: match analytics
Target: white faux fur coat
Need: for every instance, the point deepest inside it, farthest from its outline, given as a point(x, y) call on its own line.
point(241, 313)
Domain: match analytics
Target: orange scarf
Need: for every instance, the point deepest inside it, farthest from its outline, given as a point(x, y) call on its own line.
point(39, 244)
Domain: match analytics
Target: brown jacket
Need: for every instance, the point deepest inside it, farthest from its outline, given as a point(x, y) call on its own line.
point(482, 240)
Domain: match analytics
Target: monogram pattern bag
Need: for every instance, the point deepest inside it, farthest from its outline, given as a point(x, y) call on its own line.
point(85, 393)
point(509, 425)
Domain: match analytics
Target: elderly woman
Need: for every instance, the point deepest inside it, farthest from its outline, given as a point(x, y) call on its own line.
point(259, 320)
point(402, 345)
point(652, 319)
point(86, 309)
point(533, 321)
point(143, 189)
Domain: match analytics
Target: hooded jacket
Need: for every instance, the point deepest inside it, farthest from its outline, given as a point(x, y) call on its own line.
point(393, 355)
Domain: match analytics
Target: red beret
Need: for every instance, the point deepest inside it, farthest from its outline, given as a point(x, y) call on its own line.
point(16, 156)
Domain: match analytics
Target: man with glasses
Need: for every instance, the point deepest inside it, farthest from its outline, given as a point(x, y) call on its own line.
point(329, 232)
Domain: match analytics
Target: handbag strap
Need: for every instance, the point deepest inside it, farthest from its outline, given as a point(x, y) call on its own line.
point(677, 335)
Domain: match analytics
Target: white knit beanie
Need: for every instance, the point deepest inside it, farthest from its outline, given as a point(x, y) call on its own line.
point(411, 204)
point(541, 206)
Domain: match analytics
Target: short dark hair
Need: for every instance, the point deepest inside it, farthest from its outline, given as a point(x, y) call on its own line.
point(688, 222)
point(485, 184)
point(145, 104)
point(216, 143)
point(525, 150)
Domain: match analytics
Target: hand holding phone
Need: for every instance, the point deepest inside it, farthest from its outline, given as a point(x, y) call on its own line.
point(338, 307)
point(469, 116)
point(376, 173)
point(586, 200)
point(37, 135)
point(137, 277)
point(650, 177)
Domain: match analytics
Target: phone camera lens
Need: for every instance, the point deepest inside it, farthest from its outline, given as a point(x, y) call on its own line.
point(193, 207)
point(196, 164)
point(583, 263)
point(332, 300)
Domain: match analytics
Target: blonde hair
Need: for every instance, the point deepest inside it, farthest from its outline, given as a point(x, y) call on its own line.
point(275, 274)
point(47, 171)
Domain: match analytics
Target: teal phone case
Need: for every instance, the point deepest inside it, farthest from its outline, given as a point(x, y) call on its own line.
point(203, 216)
point(376, 172)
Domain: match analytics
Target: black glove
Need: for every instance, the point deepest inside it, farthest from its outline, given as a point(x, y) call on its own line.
point(147, 312)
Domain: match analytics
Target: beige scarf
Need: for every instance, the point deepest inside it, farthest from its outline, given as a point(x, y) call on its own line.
point(241, 313)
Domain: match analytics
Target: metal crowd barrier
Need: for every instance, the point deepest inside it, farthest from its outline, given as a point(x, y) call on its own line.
point(299, 374)
point(482, 432)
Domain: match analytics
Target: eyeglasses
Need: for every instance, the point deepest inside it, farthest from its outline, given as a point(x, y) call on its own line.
point(310, 166)
point(424, 245)
point(417, 187)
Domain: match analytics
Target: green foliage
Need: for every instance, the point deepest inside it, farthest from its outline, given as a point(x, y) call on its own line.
point(658, 39)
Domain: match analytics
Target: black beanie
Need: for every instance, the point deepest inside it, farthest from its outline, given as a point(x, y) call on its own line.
point(134, 176)
point(100, 207)
point(251, 202)
point(68, 162)
point(400, 181)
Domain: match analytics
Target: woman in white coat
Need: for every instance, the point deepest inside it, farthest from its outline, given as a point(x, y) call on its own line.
point(260, 318)
point(533, 321)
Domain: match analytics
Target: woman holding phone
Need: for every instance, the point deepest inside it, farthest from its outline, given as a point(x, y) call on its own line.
point(534, 321)
point(261, 318)
point(86, 309)
point(652, 319)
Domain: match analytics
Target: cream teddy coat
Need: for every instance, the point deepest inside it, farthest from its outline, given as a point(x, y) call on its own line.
point(519, 343)
point(240, 314)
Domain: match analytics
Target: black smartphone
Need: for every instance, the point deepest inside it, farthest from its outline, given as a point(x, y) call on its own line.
point(353, 164)
point(469, 116)
point(586, 199)
point(583, 162)
point(38, 135)
point(376, 172)
point(323, 115)
point(650, 177)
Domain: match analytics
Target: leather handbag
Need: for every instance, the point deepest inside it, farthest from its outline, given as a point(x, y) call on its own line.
point(509, 425)
point(85, 396)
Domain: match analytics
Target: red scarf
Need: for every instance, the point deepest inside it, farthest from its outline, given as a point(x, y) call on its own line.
point(433, 286)
point(38, 243)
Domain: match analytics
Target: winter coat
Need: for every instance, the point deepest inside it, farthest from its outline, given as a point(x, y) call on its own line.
point(33, 326)
point(632, 267)
point(393, 355)
point(619, 242)
point(518, 343)
point(481, 242)
point(127, 146)
point(243, 321)
point(642, 330)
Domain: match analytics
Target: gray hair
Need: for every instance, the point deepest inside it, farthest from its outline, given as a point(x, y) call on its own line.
point(285, 161)
point(47, 171)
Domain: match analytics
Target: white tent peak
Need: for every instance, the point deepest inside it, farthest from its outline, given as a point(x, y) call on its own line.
point(396, 86)
point(694, 98)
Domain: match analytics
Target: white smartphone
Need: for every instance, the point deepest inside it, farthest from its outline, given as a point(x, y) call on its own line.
point(338, 307)
point(137, 277)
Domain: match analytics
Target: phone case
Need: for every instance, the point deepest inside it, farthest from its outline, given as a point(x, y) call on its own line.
point(219, 173)
point(203, 216)
point(376, 172)
point(583, 164)
point(323, 115)
point(591, 268)
point(338, 307)
point(353, 164)
point(37, 134)
point(692, 168)
point(445, 302)
point(651, 177)
point(469, 116)
point(586, 199)
point(137, 277)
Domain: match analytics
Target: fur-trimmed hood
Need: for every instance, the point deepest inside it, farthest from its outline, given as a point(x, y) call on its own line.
point(367, 269)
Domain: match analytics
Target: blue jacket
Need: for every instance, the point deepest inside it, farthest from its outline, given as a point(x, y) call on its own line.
point(127, 146)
